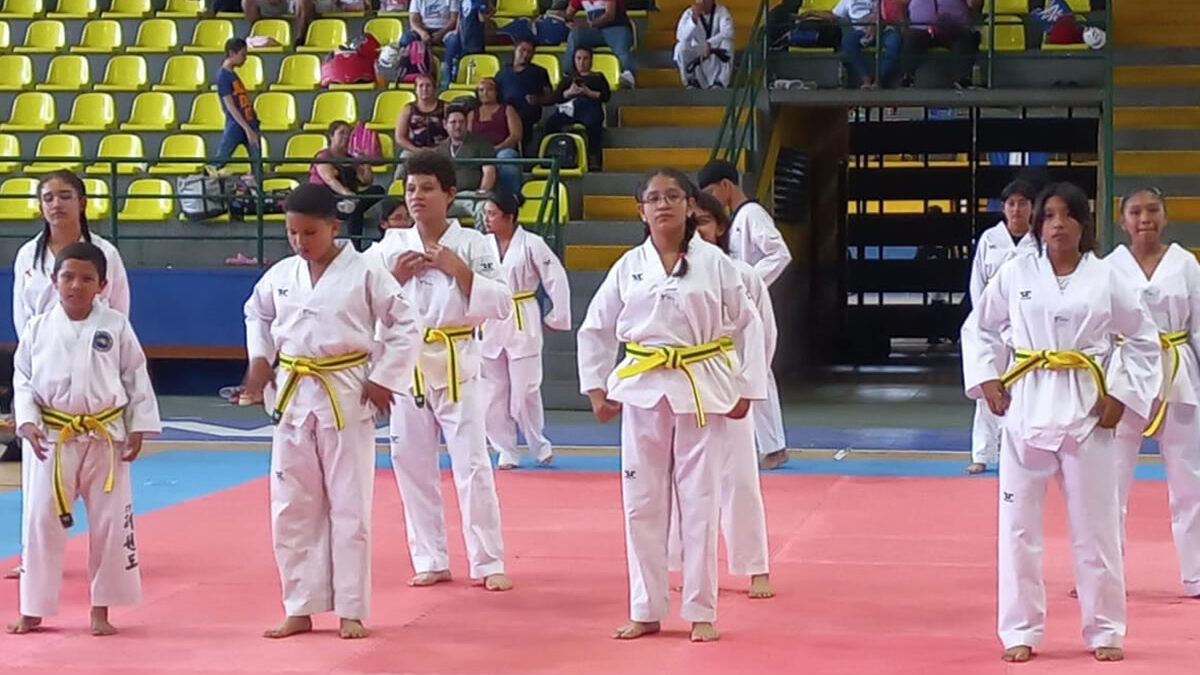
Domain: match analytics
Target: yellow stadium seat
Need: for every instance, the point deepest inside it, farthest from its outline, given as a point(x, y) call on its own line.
point(241, 153)
point(148, 200)
point(182, 73)
point(552, 66)
point(386, 29)
point(388, 105)
point(206, 114)
point(18, 199)
point(298, 72)
point(324, 35)
point(152, 111)
point(128, 9)
point(452, 95)
point(820, 5)
point(250, 73)
point(565, 172)
point(5, 35)
point(396, 188)
point(276, 111)
point(271, 185)
point(276, 29)
point(73, 9)
point(102, 36)
point(608, 66)
point(1080, 6)
point(474, 67)
point(387, 149)
point(16, 72)
point(299, 153)
point(1010, 37)
point(99, 200)
point(181, 155)
point(10, 146)
point(534, 191)
point(55, 147)
point(155, 36)
point(44, 37)
point(1006, 6)
point(330, 106)
point(21, 9)
point(125, 72)
point(119, 146)
point(517, 8)
point(31, 111)
point(93, 111)
point(209, 36)
point(181, 9)
point(67, 72)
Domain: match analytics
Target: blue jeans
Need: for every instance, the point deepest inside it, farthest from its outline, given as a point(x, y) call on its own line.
point(233, 136)
point(860, 65)
point(618, 38)
point(508, 176)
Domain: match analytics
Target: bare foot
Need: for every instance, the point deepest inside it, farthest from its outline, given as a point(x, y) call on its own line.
point(14, 573)
point(636, 629)
point(774, 460)
point(505, 466)
point(429, 578)
point(1018, 654)
point(703, 631)
point(24, 624)
point(352, 629)
point(100, 624)
point(546, 461)
point(497, 582)
point(976, 467)
point(1110, 654)
point(760, 586)
point(291, 625)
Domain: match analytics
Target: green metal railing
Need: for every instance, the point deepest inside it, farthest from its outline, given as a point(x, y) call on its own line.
point(738, 132)
point(548, 223)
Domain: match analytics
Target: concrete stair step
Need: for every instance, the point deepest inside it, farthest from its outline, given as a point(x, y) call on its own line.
point(1184, 210)
point(609, 207)
point(596, 257)
point(1141, 55)
point(654, 57)
point(1168, 162)
point(716, 98)
point(1156, 76)
point(645, 159)
point(620, 184)
point(658, 78)
point(1157, 117)
point(1169, 184)
point(680, 116)
point(611, 232)
point(674, 137)
point(1158, 23)
point(1156, 96)
point(1156, 139)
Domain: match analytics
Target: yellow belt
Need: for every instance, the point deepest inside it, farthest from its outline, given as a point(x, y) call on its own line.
point(300, 367)
point(1048, 359)
point(518, 298)
point(1170, 341)
point(445, 335)
point(69, 425)
point(678, 358)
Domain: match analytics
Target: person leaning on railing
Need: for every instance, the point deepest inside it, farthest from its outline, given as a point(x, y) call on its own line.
point(353, 180)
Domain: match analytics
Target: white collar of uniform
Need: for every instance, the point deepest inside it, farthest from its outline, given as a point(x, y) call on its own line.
point(652, 260)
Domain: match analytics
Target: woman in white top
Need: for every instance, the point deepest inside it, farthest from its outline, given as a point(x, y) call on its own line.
point(1167, 277)
point(512, 347)
point(1068, 389)
point(675, 302)
point(63, 202)
point(704, 45)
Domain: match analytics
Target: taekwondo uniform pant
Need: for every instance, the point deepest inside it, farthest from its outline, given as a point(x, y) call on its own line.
point(768, 419)
point(322, 488)
point(743, 516)
point(415, 444)
point(1179, 445)
point(112, 548)
point(985, 435)
point(514, 388)
point(1087, 476)
point(663, 453)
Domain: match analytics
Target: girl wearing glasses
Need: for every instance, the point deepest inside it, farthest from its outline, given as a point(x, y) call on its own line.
point(675, 302)
point(1059, 403)
point(1167, 277)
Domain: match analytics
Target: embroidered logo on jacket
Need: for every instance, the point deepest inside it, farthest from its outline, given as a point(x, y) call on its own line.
point(1026, 295)
point(102, 341)
point(637, 276)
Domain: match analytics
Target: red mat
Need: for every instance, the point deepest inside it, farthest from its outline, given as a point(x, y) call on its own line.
point(874, 576)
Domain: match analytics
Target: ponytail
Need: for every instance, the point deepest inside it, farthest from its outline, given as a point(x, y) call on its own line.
point(689, 224)
point(43, 240)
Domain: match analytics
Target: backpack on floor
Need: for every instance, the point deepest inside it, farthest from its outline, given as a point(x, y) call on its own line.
point(202, 197)
point(563, 148)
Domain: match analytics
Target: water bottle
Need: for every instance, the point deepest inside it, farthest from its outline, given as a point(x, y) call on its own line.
point(471, 71)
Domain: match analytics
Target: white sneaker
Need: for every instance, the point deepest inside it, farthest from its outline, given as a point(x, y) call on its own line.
point(626, 80)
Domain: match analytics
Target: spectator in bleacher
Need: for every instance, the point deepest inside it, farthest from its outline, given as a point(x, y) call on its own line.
point(940, 23)
point(581, 97)
point(353, 180)
point(422, 123)
point(393, 213)
point(474, 178)
point(304, 10)
point(525, 86)
point(604, 23)
point(704, 45)
point(499, 123)
point(241, 123)
point(440, 23)
point(858, 31)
